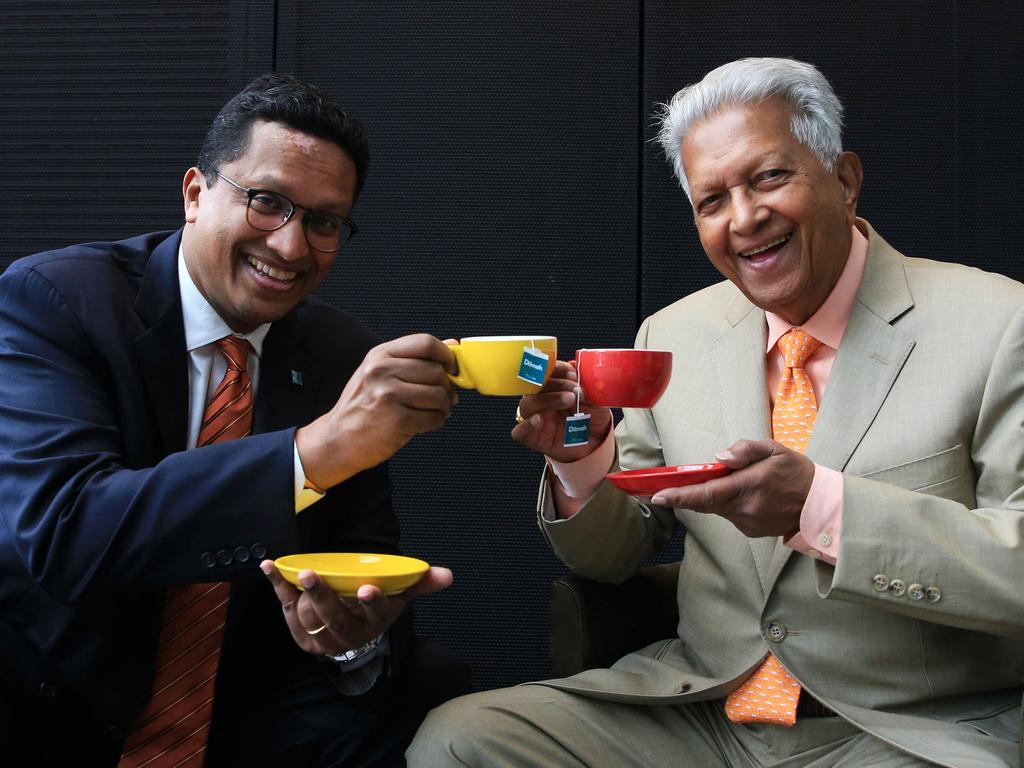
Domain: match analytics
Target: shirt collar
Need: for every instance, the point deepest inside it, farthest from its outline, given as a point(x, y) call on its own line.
point(202, 323)
point(828, 324)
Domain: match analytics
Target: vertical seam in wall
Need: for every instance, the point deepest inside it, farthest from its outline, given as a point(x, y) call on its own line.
point(273, 37)
point(957, 66)
point(640, 169)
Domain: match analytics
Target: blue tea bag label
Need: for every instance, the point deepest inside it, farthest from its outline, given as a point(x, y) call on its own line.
point(577, 430)
point(533, 365)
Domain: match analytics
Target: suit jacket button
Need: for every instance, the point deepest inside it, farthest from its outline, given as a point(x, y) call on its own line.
point(241, 555)
point(224, 557)
point(258, 551)
point(880, 583)
point(898, 587)
point(915, 591)
point(208, 560)
point(774, 632)
point(932, 594)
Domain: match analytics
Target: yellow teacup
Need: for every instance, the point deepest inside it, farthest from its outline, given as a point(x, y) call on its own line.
point(491, 364)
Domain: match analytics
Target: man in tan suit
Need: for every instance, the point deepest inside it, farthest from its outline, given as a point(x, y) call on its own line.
point(879, 567)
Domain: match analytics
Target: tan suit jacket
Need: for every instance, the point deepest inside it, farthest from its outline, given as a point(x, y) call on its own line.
point(924, 415)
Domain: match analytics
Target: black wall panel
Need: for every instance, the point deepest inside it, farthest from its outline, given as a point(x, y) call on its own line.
point(502, 199)
point(105, 104)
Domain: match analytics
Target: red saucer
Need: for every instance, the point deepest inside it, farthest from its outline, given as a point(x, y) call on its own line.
point(648, 481)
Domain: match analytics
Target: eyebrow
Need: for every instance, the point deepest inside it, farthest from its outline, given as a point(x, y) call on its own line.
point(271, 185)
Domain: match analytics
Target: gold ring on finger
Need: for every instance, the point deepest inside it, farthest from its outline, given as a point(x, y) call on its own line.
point(519, 416)
point(316, 631)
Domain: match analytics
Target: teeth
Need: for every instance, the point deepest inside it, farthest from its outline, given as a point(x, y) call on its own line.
point(765, 247)
point(274, 272)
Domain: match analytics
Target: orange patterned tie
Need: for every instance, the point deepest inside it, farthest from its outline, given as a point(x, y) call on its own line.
point(770, 694)
point(173, 728)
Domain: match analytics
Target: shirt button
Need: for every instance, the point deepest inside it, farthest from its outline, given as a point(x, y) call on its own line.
point(898, 587)
point(915, 591)
point(880, 582)
point(932, 594)
point(775, 632)
point(825, 540)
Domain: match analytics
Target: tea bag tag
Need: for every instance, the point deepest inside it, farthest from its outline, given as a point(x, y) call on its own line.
point(533, 365)
point(577, 426)
point(577, 430)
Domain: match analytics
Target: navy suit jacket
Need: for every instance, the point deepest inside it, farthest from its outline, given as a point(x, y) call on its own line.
point(101, 506)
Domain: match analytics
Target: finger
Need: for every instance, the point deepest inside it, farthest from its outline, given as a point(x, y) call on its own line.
point(416, 371)
point(416, 345)
point(322, 606)
point(547, 401)
point(743, 453)
point(422, 397)
point(317, 630)
point(535, 431)
point(564, 370)
point(435, 579)
point(379, 611)
point(287, 594)
point(700, 497)
point(417, 422)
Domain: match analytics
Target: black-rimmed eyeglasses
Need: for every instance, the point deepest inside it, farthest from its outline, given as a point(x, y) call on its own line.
point(267, 211)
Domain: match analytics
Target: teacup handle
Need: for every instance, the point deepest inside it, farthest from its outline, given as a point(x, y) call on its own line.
point(460, 379)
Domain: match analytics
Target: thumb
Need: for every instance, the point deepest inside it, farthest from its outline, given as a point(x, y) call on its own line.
point(743, 453)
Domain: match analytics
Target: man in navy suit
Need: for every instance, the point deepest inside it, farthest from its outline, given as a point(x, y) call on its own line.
point(107, 360)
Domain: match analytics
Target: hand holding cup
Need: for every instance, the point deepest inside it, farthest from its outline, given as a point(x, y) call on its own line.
point(542, 424)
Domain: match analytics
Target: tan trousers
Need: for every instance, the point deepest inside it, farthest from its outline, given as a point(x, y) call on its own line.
point(534, 725)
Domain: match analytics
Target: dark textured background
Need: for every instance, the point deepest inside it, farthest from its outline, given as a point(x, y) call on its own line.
point(514, 188)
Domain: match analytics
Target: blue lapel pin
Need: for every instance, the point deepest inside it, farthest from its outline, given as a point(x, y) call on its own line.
point(297, 378)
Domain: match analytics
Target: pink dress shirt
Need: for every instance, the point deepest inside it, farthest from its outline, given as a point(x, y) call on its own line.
point(821, 517)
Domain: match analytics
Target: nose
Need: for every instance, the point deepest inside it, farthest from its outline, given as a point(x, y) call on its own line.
point(289, 241)
point(747, 212)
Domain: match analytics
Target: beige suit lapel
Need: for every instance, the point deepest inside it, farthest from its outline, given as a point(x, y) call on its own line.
point(739, 365)
point(870, 357)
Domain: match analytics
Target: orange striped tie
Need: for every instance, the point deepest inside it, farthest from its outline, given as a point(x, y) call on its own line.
point(173, 728)
point(770, 694)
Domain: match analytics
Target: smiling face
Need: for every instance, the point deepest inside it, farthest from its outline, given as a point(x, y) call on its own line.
point(770, 217)
point(251, 277)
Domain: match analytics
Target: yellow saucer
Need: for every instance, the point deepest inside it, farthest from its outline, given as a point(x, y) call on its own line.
point(345, 572)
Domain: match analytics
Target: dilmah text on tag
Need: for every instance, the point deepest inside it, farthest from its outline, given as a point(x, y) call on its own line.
point(533, 365)
point(577, 430)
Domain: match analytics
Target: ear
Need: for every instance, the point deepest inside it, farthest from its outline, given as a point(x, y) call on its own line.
point(851, 175)
point(191, 186)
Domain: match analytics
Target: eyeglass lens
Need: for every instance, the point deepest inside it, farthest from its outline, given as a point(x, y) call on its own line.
point(269, 211)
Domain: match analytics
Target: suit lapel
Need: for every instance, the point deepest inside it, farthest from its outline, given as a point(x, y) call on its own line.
point(739, 364)
point(161, 347)
point(289, 379)
point(870, 357)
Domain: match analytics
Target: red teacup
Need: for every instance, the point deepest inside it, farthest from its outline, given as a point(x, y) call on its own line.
point(623, 378)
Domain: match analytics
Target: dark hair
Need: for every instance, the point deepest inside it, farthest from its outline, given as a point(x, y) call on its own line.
point(287, 100)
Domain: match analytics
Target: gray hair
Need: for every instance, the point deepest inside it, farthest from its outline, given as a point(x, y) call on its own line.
point(817, 121)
